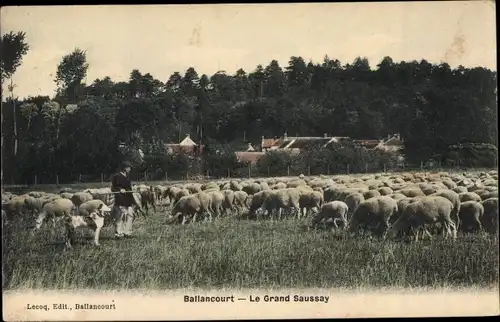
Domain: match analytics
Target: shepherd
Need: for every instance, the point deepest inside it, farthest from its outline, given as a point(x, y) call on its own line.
point(124, 201)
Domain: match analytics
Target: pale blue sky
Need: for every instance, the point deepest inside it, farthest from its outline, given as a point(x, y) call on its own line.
point(163, 39)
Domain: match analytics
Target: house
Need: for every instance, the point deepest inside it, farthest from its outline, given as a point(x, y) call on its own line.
point(270, 144)
point(186, 146)
point(250, 148)
point(249, 157)
point(393, 143)
point(368, 144)
point(298, 143)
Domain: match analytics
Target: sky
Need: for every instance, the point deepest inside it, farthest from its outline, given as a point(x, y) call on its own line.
point(162, 39)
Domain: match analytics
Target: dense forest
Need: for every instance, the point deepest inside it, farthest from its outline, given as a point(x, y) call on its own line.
point(89, 128)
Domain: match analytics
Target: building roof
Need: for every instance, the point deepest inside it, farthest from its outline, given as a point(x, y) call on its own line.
point(267, 143)
point(187, 141)
point(251, 157)
point(302, 143)
point(369, 144)
point(394, 141)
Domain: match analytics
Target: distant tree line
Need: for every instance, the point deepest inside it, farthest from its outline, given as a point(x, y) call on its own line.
point(89, 128)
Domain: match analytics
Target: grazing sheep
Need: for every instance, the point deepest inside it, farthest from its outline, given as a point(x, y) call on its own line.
point(425, 211)
point(217, 200)
point(454, 198)
point(309, 200)
point(283, 198)
point(55, 210)
point(471, 213)
point(489, 221)
point(352, 201)
point(80, 197)
point(374, 213)
point(258, 200)
point(241, 199)
point(191, 206)
point(332, 210)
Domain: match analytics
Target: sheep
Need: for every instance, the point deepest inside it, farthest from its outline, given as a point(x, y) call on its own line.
point(55, 209)
point(241, 199)
point(191, 205)
point(332, 210)
point(66, 195)
point(422, 212)
point(454, 198)
point(235, 186)
point(352, 201)
point(80, 197)
point(283, 198)
point(373, 213)
point(469, 196)
point(258, 200)
point(371, 194)
point(385, 191)
point(217, 200)
point(412, 192)
point(489, 221)
point(471, 213)
point(309, 200)
point(252, 188)
point(228, 204)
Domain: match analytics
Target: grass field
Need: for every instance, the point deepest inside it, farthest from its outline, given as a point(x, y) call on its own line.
point(233, 253)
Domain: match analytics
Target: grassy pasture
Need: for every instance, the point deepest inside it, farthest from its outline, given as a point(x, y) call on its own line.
point(237, 253)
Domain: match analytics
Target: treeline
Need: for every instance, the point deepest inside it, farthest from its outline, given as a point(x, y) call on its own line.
point(89, 128)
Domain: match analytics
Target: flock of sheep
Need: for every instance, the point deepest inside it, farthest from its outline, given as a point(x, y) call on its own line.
point(390, 205)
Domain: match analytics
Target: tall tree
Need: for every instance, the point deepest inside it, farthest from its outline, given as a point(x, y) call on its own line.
point(13, 47)
point(71, 72)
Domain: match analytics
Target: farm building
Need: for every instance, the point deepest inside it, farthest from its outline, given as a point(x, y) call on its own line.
point(297, 143)
point(186, 146)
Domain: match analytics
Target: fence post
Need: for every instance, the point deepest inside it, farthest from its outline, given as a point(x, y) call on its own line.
point(228, 173)
point(187, 175)
point(288, 170)
point(348, 168)
point(249, 170)
point(36, 180)
point(385, 169)
point(366, 168)
point(166, 175)
point(268, 171)
point(57, 179)
point(328, 169)
point(421, 165)
point(308, 170)
point(80, 177)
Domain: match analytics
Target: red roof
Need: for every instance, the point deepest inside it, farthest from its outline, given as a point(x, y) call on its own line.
point(267, 143)
point(251, 157)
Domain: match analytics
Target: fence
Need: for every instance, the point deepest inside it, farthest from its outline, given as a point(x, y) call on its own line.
point(249, 171)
